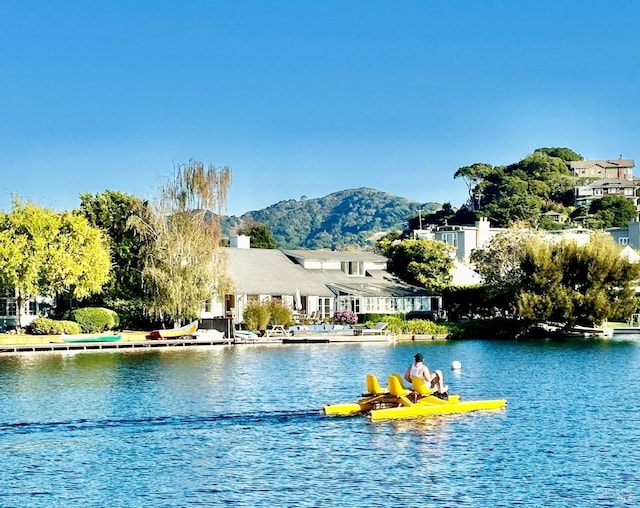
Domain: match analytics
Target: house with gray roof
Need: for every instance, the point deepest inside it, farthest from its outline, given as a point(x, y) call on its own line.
point(317, 283)
point(586, 194)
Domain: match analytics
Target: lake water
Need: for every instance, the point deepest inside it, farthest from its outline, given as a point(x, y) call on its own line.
point(241, 426)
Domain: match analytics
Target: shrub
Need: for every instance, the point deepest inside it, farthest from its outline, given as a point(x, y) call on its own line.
point(115, 319)
point(256, 316)
point(46, 326)
point(424, 327)
point(279, 314)
point(346, 317)
point(94, 319)
point(397, 325)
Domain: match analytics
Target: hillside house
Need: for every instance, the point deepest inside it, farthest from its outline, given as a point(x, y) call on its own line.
point(621, 169)
point(584, 195)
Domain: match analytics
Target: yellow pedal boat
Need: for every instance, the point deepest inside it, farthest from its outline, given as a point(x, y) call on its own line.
point(396, 401)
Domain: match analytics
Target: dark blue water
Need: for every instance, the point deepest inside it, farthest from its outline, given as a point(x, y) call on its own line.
point(241, 426)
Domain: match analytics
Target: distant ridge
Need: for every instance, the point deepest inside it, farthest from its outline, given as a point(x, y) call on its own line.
point(342, 219)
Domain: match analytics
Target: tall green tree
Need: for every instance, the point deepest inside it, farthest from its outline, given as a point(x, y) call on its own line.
point(43, 253)
point(110, 211)
point(183, 266)
point(474, 176)
point(426, 263)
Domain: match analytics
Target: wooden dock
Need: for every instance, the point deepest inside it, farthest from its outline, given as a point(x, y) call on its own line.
point(111, 346)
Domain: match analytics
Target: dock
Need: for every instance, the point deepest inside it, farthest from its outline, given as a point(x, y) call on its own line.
point(112, 346)
point(196, 341)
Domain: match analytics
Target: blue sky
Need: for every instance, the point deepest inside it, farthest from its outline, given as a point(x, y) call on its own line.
point(305, 98)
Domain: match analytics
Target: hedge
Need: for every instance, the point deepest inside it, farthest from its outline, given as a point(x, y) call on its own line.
point(46, 326)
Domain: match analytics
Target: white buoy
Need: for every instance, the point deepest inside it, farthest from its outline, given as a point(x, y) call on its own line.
point(456, 365)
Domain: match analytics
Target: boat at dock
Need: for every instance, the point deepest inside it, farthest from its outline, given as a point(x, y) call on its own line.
point(187, 330)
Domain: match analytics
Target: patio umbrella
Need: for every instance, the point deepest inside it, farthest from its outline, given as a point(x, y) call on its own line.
point(298, 300)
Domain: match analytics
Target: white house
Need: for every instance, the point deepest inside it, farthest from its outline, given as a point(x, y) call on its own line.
point(29, 310)
point(463, 238)
point(316, 283)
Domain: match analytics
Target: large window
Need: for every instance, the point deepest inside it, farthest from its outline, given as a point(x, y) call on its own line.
point(8, 307)
point(324, 307)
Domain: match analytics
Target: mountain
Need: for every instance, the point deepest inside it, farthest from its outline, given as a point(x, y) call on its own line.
point(337, 221)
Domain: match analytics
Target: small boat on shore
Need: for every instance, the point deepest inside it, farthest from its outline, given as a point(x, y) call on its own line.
point(98, 337)
point(396, 401)
point(174, 333)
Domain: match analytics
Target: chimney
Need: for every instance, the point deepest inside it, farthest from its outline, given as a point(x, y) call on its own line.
point(240, 242)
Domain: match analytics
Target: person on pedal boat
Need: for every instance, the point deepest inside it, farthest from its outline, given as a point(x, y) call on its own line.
point(420, 370)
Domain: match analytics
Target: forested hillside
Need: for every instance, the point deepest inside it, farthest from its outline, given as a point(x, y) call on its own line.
point(337, 221)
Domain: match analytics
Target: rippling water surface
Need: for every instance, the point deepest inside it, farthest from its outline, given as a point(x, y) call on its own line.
point(241, 426)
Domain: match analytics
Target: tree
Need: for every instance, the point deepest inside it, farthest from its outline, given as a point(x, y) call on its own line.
point(183, 266)
point(566, 154)
point(512, 209)
point(498, 262)
point(544, 280)
point(473, 176)
point(613, 211)
point(440, 217)
point(260, 234)
point(43, 253)
point(576, 284)
point(110, 212)
point(520, 191)
point(426, 263)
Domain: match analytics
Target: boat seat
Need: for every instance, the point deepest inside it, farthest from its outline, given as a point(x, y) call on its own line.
point(419, 386)
point(396, 389)
point(373, 386)
point(401, 379)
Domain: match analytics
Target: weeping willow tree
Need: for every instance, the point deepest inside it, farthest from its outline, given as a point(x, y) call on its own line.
point(183, 266)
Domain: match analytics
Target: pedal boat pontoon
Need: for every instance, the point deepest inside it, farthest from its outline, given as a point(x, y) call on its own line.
point(396, 401)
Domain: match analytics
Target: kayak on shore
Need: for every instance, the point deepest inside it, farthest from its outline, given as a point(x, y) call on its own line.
point(99, 337)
